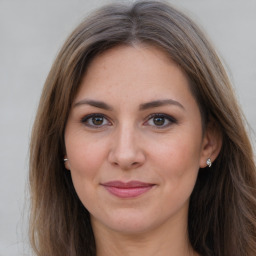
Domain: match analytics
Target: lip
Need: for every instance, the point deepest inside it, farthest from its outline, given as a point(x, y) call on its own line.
point(129, 189)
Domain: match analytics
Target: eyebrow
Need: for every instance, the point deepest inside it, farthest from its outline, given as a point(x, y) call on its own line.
point(160, 103)
point(94, 103)
point(143, 106)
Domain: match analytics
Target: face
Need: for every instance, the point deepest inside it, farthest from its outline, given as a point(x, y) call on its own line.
point(134, 140)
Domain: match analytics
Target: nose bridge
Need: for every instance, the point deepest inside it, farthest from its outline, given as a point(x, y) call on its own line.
point(126, 151)
point(125, 141)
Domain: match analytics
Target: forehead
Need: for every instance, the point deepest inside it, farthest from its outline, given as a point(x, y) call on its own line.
point(132, 70)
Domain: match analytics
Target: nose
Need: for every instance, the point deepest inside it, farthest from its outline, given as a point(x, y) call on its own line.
point(126, 151)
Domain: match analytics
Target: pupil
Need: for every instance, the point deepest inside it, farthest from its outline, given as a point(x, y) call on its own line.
point(97, 120)
point(158, 121)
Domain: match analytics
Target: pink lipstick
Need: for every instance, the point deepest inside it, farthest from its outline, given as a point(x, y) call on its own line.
point(127, 189)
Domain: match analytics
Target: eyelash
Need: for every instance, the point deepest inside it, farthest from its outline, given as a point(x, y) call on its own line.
point(171, 120)
point(85, 120)
point(89, 118)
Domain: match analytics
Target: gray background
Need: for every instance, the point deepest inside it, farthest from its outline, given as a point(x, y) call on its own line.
point(31, 32)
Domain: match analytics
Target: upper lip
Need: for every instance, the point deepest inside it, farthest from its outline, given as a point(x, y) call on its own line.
point(130, 184)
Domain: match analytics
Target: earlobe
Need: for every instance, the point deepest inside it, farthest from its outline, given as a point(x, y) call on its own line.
point(211, 145)
point(66, 163)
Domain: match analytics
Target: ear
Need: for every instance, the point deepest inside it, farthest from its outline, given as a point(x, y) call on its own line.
point(66, 163)
point(212, 142)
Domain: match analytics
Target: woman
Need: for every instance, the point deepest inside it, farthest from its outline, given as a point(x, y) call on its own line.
point(139, 146)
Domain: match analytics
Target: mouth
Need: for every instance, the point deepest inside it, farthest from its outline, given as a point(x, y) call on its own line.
point(129, 189)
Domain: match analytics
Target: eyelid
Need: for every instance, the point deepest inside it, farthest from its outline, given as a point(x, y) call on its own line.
point(170, 118)
point(85, 119)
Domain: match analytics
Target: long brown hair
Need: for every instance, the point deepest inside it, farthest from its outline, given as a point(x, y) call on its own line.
point(222, 212)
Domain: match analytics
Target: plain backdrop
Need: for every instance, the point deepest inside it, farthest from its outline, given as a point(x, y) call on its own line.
point(31, 33)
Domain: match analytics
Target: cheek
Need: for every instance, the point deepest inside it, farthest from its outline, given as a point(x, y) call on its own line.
point(85, 156)
point(179, 151)
point(179, 158)
point(85, 161)
point(180, 164)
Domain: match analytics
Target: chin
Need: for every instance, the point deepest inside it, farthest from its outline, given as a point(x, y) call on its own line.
point(130, 222)
point(131, 226)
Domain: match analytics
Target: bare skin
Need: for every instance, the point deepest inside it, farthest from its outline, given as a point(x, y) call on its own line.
point(134, 121)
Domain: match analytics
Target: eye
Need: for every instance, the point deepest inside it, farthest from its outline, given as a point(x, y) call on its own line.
point(95, 120)
point(160, 120)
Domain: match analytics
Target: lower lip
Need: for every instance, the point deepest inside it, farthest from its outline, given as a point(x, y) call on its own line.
point(129, 192)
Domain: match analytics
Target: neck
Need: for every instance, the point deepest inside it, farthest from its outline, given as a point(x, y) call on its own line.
point(168, 239)
point(143, 247)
